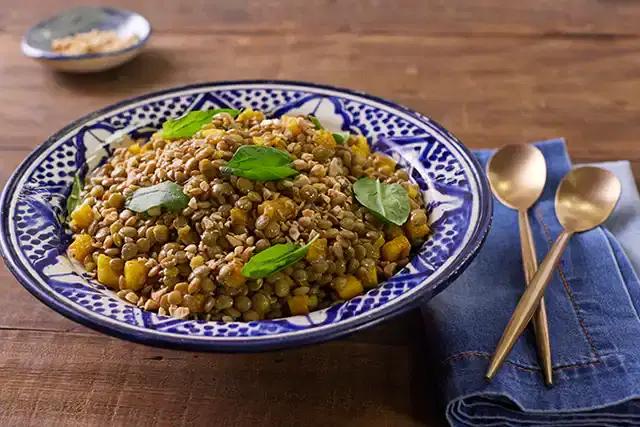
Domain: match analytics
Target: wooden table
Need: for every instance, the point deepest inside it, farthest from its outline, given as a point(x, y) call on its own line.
point(492, 72)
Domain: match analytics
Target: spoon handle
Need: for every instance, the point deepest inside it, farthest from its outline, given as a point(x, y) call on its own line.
point(540, 323)
point(527, 304)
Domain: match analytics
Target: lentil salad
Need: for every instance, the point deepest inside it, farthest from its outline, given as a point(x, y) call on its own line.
point(228, 215)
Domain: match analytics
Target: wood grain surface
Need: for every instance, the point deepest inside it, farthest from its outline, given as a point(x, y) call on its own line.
point(492, 72)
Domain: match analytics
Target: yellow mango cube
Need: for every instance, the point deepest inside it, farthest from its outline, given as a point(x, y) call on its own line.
point(134, 149)
point(417, 231)
point(369, 278)
point(359, 145)
point(276, 142)
point(413, 191)
point(396, 249)
point(81, 247)
point(299, 304)
point(135, 274)
point(82, 216)
point(106, 275)
point(291, 124)
point(238, 216)
point(380, 160)
point(280, 209)
point(249, 114)
point(378, 243)
point(325, 139)
point(317, 251)
point(351, 289)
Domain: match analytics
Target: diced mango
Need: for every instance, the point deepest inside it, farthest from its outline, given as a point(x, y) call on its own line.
point(299, 304)
point(249, 114)
point(235, 279)
point(258, 140)
point(134, 149)
point(378, 243)
point(325, 139)
point(213, 134)
point(291, 124)
point(369, 277)
point(280, 209)
point(275, 142)
point(359, 145)
point(82, 216)
point(238, 216)
point(106, 275)
point(396, 249)
point(351, 289)
point(317, 251)
point(135, 274)
point(416, 231)
point(81, 247)
point(380, 160)
point(413, 191)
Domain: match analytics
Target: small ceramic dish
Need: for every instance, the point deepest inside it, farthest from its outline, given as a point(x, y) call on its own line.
point(34, 237)
point(38, 40)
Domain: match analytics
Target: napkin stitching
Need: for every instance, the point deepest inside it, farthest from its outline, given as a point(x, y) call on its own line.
point(568, 289)
point(515, 365)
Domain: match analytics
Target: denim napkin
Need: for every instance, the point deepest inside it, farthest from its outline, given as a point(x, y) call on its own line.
point(593, 302)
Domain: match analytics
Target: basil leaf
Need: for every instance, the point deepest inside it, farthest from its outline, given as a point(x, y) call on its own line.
point(74, 197)
point(259, 163)
point(274, 259)
point(389, 202)
point(167, 195)
point(341, 137)
point(190, 123)
point(316, 122)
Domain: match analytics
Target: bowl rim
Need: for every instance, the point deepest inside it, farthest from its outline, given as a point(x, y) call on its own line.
point(466, 255)
point(37, 53)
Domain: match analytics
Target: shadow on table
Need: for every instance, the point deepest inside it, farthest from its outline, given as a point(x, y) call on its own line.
point(147, 70)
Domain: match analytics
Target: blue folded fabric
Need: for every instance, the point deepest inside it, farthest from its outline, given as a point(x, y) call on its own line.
point(593, 302)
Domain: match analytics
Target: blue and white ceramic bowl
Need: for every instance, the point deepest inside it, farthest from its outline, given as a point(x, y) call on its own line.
point(38, 39)
point(34, 240)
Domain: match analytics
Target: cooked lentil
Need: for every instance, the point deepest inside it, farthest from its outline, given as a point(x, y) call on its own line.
point(188, 264)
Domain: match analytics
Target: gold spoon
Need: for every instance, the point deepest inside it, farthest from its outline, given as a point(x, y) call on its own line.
point(517, 174)
point(585, 199)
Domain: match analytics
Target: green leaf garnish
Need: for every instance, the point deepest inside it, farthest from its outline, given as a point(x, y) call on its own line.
point(259, 163)
point(341, 137)
point(74, 197)
point(274, 259)
point(316, 122)
point(389, 202)
point(166, 195)
point(187, 125)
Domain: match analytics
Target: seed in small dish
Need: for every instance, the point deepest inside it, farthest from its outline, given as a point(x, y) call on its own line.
point(94, 41)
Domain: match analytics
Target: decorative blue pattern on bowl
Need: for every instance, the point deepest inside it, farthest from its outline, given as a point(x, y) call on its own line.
point(34, 241)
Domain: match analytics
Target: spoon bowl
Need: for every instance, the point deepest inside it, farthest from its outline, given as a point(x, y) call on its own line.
point(586, 197)
point(517, 174)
